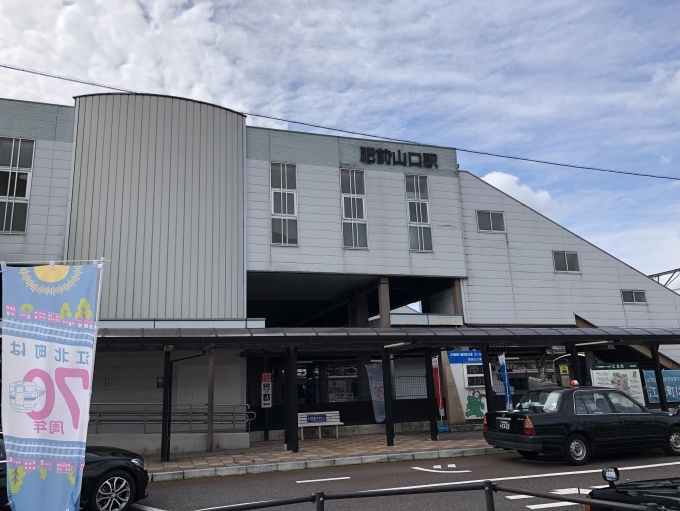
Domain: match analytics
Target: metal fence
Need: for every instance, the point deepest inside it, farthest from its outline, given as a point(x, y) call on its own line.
point(487, 487)
point(147, 418)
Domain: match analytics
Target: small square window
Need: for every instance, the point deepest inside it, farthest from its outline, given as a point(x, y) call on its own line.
point(640, 297)
point(632, 296)
point(489, 221)
point(628, 296)
point(566, 262)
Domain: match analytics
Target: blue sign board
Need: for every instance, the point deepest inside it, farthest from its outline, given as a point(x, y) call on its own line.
point(671, 380)
point(464, 356)
point(318, 417)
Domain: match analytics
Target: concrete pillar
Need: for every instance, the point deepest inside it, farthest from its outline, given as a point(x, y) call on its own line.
point(590, 359)
point(363, 359)
point(292, 399)
point(359, 310)
point(658, 374)
point(211, 399)
point(384, 302)
point(389, 405)
point(457, 297)
point(323, 382)
point(432, 410)
point(454, 409)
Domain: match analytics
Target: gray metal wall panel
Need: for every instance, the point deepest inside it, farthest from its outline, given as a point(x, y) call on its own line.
point(257, 143)
point(26, 119)
point(294, 147)
point(166, 174)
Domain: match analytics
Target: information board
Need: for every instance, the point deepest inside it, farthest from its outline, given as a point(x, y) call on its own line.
point(625, 377)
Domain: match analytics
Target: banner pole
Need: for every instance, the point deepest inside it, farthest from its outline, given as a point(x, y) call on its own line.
point(100, 271)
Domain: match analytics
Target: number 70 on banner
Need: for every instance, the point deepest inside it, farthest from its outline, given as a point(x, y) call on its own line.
point(60, 376)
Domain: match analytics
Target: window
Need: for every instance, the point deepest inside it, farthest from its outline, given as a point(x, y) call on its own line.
point(354, 233)
point(541, 401)
point(419, 231)
point(566, 262)
point(284, 204)
point(634, 297)
point(490, 221)
point(623, 404)
point(16, 163)
point(591, 404)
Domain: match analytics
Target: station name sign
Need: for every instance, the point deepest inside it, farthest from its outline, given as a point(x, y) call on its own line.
point(371, 155)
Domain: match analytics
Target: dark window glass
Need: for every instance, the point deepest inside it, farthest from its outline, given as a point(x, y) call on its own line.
point(572, 262)
point(595, 403)
point(413, 238)
point(3, 207)
point(22, 185)
point(277, 202)
point(26, 154)
point(292, 232)
point(560, 261)
point(497, 222)
point(623, 404)
point(427, 238)
point(580, 406)
point(344, 181)
point(422, 181)
point(290, 204)
point(410, 187)
point(412, 212)
point(362, 236)
point(359, 208)
point(628, 296)
point(19, 217)
point(424, 217)
point(4, 184)
point(5, 152)
point(277, 231)
point(484, 220)
point(360, 189)
point(347, 207)
point(290, 177)
point(347, 235)
point(640, 297)
point(276, 175)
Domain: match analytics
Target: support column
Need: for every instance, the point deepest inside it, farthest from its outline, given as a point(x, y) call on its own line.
point(488, 386)
point(211, 399)
point(658, 374)
point(265, 411)
point(323, 382)
point(432, 410)
point(359, 310)
point(455, 414)
point(575, 363)
point(292, 400)
point(457, 297)
point(384, 302)
point(387, 384)
point(590, 359)
point(286, 403)
point(167, 405)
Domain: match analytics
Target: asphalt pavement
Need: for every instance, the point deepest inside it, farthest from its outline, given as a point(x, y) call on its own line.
point(544, 475)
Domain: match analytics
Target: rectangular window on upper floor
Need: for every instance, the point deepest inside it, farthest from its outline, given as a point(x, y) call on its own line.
point(16, 165)
point(566, 262)
point(419, 230)
point(284, 204)
point(490, 221)
point(633, 296)
point(353, 192)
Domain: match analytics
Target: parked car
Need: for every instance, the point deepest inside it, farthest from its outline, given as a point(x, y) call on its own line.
point(113, 479)
point(577, 423)
point(662, 492)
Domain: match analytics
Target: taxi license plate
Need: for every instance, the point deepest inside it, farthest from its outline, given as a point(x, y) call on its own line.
point(503, 424)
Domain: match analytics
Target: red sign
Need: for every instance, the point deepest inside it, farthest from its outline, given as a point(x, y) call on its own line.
point(438, 385)
point(266, 377)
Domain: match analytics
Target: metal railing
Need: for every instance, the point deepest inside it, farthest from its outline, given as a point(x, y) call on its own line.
point(148, 418)
point(488, 487)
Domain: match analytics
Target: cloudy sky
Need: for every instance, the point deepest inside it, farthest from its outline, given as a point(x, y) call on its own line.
point(590, 83)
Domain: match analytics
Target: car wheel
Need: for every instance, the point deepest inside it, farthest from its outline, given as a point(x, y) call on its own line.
point(115, 491)
point(530, 455)
point(673, 442)
point(577, 450)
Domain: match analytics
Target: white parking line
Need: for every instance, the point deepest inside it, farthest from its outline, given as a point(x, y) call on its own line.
point(552, 504)
point(323, 480)
point(441, 471)
point(145, 508)
point(515, 497)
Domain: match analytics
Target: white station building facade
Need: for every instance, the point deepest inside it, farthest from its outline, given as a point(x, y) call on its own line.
point(209, 226)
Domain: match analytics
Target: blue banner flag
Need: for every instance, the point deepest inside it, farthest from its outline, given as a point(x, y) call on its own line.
point(375, 382)
point(506, 382)
point(48, 335)
point(671, 380)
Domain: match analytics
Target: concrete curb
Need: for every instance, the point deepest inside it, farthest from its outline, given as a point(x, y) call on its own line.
point(324, 462)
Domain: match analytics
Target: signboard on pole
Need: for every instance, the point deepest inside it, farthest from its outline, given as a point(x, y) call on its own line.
point(48, 345)
point(464, 356)
point(506, 382)
point(377, 386)
point(438, 386)
point(266, 390)
point(625, 377)
point(671, 380)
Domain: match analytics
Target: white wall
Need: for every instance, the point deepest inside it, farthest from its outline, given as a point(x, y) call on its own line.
point(511, 278)
point(320, 226)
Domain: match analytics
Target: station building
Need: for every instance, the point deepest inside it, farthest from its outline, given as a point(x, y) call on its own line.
point(260, 249)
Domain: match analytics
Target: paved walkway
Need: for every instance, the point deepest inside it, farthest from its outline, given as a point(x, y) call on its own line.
point(271, 456)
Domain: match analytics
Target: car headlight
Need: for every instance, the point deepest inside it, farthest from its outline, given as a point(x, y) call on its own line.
point(138, 461)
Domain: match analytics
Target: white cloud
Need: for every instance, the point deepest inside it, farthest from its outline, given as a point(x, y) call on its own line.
point(665, 160)
point(539, 200)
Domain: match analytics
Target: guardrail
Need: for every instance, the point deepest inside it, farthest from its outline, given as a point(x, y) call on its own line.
point(488, 487)
point(148, 417)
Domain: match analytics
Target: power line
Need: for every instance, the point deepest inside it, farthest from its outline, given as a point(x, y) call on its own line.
point(359, 133)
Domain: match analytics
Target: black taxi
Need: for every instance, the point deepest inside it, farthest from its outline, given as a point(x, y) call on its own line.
point(579, 422)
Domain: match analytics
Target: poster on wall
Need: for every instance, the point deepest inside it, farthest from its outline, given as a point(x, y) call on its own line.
point(337, 391)
point(625, 377)
point(671, 380)
point(48, 344)
point(470, 387)
point(375, 382)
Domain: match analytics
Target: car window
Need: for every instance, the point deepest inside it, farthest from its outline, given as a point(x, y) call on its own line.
point(545, 401)
point(591, 404)
point(623, 404)
point(3, 456)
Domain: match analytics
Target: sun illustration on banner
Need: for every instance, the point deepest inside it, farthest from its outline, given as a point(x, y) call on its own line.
point(48, 280)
